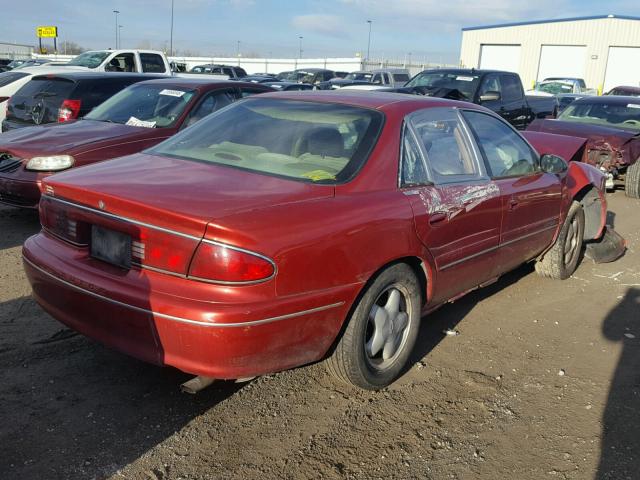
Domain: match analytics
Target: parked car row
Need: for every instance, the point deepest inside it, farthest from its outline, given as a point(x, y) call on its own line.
point(231, 230)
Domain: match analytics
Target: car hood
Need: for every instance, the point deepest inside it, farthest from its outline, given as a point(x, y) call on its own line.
point(594, 133)
point(58, 138)
point(175, 193)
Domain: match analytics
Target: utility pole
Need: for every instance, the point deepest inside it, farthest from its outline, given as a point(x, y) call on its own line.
point(116, 12)
point(369, 40)
point(120, 35)
point(171, 38)
point(238, 49)
point(300, 49)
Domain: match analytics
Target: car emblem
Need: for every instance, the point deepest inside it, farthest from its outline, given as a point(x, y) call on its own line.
point(37, 113)
point(101, 205)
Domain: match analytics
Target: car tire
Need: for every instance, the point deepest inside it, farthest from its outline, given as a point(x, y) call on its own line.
point(632, 180)
point(563, 257)
point(381, 331)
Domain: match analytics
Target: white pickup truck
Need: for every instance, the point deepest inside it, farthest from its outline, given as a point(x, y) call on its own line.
point(141, 61)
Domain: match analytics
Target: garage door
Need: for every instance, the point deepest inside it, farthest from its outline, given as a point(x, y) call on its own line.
point(562, 61)
point(500, 57)
point(623, 67)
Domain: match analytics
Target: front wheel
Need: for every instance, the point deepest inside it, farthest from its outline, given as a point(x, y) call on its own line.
point(632, 180)
point(562, 258)
point(381, 332)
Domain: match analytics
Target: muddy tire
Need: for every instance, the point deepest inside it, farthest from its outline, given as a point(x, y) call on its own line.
point(381, 332)
point(563, 257)
point(632, 180)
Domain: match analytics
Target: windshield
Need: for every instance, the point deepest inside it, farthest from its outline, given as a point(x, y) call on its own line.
point(16, 63)
point(151, 106)
point(363, 76)
point(89, 59)
point(305, 141)
point(554, 87)
point(464, 84)
point(619, 115)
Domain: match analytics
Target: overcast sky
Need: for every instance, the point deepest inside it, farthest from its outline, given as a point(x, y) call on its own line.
point(429, 29)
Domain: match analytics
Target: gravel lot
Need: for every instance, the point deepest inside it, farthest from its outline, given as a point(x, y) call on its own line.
point(543, 381)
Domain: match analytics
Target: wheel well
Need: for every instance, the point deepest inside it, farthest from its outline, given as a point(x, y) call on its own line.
point(415, 263)
point(591, 203)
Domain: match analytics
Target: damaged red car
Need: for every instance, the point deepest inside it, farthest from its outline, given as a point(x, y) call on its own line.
point(611, 126)
point(136, 118)
point(292, 227)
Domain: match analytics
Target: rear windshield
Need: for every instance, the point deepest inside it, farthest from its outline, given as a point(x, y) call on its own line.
point(151, 106)
point(9, 77)
point(38, 100)
point(89, 59)
point(305, 141)
point(400, 77)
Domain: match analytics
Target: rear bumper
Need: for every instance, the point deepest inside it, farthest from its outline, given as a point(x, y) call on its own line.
point(20, 193)
point(159, 320)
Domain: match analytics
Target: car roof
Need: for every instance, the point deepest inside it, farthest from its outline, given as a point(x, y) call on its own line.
point(627, 87)
point(366, 99)
point(608, 99)
point(201, 83)
point(468, 71)
point(75, 75)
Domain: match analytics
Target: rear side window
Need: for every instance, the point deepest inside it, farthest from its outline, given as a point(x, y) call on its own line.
point(511, 90)
point(240, 72)
point(10, 77)
point(441, 134)
point(400, 77)
point(152, 63)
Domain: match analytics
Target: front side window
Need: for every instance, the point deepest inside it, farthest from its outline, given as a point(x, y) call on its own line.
point(299, 140)
point(150, 106)
point(491, 83)
point(210, 104)
point(505, 151)
point(152, 63)
point(443, 140)
point(125, 62)
point(377, 79)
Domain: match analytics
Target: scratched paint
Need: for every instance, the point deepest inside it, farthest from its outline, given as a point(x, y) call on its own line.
point(455, 199)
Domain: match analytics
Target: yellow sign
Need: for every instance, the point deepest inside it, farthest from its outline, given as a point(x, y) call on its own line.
point(47, 32)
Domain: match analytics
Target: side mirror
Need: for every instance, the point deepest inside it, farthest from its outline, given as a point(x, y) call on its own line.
point(553, 164)
point(490, 97)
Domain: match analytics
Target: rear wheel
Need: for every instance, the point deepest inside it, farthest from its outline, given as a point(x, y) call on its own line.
point(632, 180)
point(563, 257)
point(381, 331)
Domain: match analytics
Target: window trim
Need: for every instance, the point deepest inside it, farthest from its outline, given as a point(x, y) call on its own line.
point(408, 129)
point(483, 156)
point(481, 174)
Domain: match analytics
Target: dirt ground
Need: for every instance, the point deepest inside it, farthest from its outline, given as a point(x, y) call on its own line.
point(543, 381)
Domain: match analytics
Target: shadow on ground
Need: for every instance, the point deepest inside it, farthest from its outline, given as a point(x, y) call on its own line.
point(16, 225)
point(73, 409)
point(620, 457)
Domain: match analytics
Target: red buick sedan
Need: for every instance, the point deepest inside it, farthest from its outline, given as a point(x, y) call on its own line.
point(291, 227)
point(134, 119)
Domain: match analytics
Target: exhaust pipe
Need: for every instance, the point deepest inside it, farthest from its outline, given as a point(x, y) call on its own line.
point(196, 384)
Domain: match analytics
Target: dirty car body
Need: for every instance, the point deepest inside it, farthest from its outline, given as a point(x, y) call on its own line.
point(230, 254)
point(137, 118)
point(611, 126)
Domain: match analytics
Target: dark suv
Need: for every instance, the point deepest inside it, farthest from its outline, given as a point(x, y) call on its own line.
point(64, 96)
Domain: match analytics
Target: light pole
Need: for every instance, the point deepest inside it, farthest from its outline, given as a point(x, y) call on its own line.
point(116, 12)
point(171, 37)
point(238, 49)
point(120, 35)
point(300, 49)
point(369, 39)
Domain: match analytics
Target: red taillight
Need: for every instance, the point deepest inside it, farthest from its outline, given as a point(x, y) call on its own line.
point(69, 110)
point(220, 263)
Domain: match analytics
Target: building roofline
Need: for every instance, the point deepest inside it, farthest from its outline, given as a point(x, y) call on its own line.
point(554, 20)
point(16, 44)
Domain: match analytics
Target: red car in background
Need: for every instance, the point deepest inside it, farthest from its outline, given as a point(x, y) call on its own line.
point(293, 226)
point(136, 118)
point(611, 127)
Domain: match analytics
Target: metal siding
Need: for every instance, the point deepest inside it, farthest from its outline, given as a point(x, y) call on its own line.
point(596, 34)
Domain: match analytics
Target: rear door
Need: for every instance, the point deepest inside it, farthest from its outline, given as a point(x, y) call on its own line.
point(514, 107)
point(530, 198)
point(39, 100)
point(456, 206)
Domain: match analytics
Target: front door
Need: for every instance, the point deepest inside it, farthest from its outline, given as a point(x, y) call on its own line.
point(530, 198)
point(457, 207)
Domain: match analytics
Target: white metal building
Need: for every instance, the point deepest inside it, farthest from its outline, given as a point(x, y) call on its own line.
point(14, 50)
point(604, 50)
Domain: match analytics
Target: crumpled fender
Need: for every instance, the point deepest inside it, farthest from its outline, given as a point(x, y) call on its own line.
point(569, 148)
